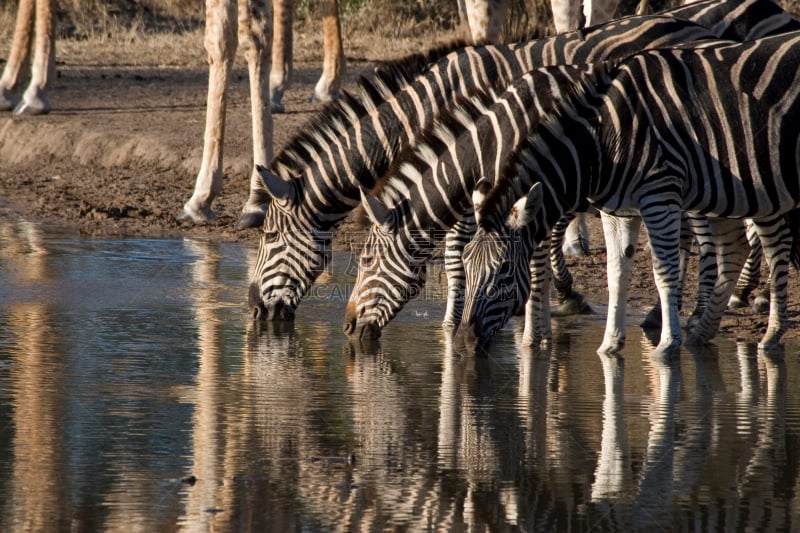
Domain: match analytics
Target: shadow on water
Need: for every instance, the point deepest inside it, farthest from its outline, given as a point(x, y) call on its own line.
point(135, 392)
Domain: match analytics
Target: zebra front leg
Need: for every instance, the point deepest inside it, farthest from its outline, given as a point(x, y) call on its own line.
point(692, 228)
point(255, 38)
point(780, 238)
point(729, 238)
point(620, 235)
point(537, 309)
point(454, 242)
point(663, 222)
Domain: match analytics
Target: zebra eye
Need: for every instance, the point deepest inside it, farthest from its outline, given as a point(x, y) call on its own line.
point(366, 260)
point(270, 236)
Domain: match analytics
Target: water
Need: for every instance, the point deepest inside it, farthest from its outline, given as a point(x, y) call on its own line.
point(136, 394)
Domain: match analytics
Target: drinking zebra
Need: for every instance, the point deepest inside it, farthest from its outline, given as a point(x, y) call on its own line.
point(424, 204)
point(315, 181)
point(712, 129)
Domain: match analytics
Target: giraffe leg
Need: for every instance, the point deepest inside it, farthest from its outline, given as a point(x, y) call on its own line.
point(18, 55)
point(220, 43)
point(34, 101)
point(566, 15)
point(255, 38)
point(485, 19)
point(333, 66)
point(281, 73)
point(599, 11)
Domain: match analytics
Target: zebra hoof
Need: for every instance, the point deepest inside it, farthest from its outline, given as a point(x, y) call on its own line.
point(195, 215)
point(574, 304)
point(761, 304)
point(575, 249)
point(737, 302)
point(611, 345)
point(252, 219)
point(653, 318)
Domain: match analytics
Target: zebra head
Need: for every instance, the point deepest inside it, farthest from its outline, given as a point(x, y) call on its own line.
point(496, 266)
point(294, 250)
point(389, 272)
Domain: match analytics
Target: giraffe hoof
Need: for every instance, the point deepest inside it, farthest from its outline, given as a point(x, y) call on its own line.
point(35, 107)
point(7, 101)
point(277, 107)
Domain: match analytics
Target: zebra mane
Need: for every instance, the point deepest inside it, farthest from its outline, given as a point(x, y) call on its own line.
point(505, 190)
point(336, 117)
point(453, 121)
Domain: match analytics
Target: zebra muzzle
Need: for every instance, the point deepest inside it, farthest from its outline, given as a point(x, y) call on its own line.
point(470, 341)
point(361, 330)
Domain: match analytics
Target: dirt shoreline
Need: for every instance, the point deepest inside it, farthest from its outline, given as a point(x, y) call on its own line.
point(119, 154)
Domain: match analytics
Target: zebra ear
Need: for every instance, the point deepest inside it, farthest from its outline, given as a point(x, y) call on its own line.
point(526, 208)
point(480, 191)
point(377, 212)
point(479, 195)
point(277, 187)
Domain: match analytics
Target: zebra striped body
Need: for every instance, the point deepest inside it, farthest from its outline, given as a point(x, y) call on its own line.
point(394, 255)
point(712, 129)
point(315, 181)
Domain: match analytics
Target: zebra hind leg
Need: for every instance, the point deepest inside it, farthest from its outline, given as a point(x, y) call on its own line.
point(570, 301)
point(750, 276)
point(728, 237)
point(781, 241)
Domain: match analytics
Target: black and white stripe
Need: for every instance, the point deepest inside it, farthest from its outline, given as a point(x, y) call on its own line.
point(315, 181)
point(712, 129)
point(393, 258)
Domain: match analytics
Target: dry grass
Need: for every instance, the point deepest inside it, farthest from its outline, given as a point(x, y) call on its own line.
point(169, 32)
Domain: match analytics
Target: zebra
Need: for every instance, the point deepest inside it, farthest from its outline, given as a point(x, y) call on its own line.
point(662, 131)
point(315, 181)
point(392, 261)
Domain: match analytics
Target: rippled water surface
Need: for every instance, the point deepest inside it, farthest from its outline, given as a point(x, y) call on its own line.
point(136, 394)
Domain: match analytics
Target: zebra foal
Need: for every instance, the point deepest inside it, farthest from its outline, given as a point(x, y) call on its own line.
point(712, 129)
